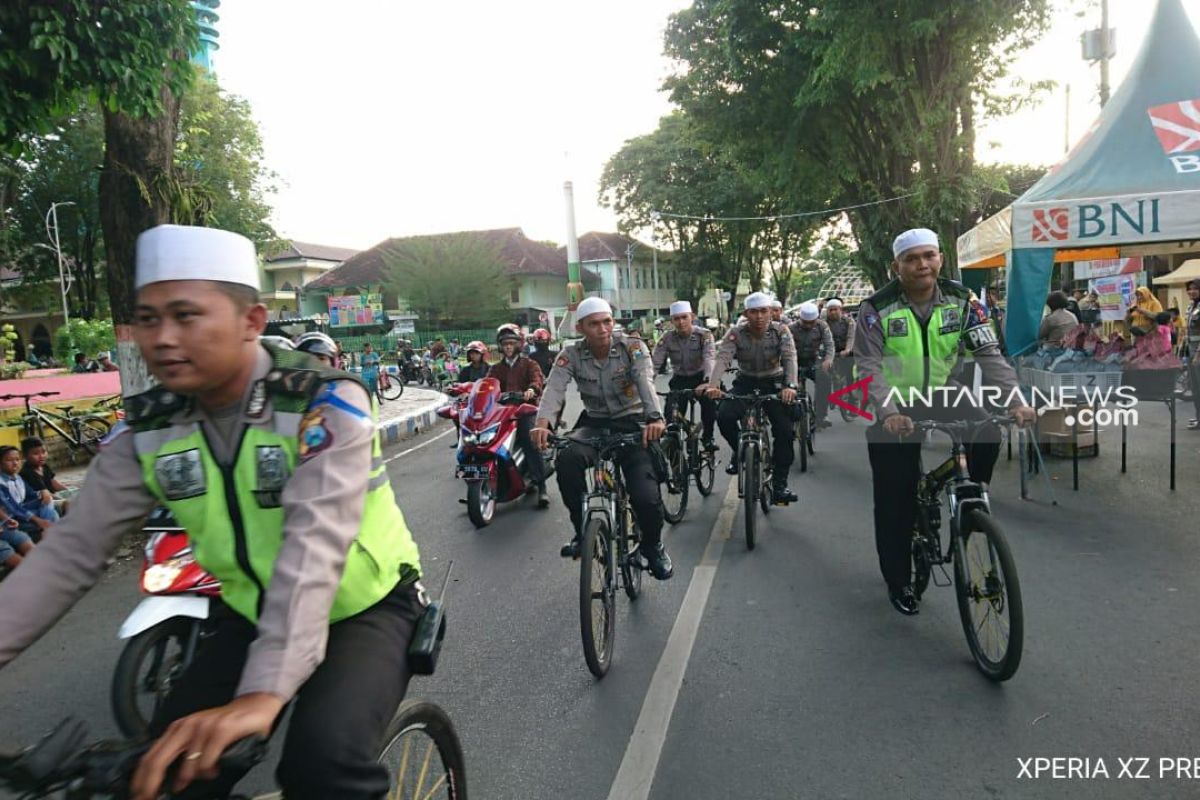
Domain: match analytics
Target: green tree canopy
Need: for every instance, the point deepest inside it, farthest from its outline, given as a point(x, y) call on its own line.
point(879, 97)
point(454, 280)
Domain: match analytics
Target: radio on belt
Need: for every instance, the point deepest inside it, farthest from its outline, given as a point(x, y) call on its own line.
point(426, 644)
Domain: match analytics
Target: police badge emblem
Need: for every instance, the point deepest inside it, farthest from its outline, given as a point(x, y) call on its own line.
point(181, 475)
point(271, 473)
point(897, 326)
point(951, 321)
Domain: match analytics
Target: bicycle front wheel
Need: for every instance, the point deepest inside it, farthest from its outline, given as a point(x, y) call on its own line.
point(675, 498)
point(802, 432)
point(423, 755)
point(631, 567)
point(706, 470)
point(750, 488)
point(390, 386)
point(597, 597)
point(989, 596)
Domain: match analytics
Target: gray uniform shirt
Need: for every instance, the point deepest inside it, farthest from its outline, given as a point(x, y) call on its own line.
point(620, 386)
point(322, 505)
point(812, 343)
point(689, 356)
point(868, 353)
point(770, 356)
point(843, 333)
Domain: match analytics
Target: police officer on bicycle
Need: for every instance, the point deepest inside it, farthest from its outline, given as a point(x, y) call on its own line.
point(616, 383)
point(908, 341)
point(814, 355)
point(766, 358)
point(692, 352)
point(271, 462)
point(842, 328)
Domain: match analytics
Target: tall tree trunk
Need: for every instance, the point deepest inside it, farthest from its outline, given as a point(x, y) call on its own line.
point(138, 154)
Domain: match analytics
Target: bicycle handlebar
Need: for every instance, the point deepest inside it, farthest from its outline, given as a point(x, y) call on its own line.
point(28, 396)
point(103, 768)
point(603, 443)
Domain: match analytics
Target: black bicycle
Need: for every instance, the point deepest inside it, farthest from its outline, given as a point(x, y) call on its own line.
point(806, 418)
point(839, 380)
point(985, 576)
point(755, 465)
point(686, 456)
point(81, 432)
point(609, 558)
point(420, 749)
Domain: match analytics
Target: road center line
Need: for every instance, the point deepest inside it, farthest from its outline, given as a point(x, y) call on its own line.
point(390, 459)
point(636, 774)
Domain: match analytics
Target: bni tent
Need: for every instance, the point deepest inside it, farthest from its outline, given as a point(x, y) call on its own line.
point(1134, 178)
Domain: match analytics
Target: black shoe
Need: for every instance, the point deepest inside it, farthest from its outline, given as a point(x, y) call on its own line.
point(709, 445)
point(570, 549)
point(782, 495)
point(731, 468)
point(658, 563)
point(905, 601)
point(543, 500)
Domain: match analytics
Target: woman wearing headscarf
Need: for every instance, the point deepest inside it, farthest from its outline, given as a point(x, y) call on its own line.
point(1141, 315)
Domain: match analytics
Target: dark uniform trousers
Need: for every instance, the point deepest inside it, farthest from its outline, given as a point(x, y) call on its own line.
point(824, 385)
point(339, 715)
point(730, 415)
point(637, 467)
point(895, 470)
point(708, 408)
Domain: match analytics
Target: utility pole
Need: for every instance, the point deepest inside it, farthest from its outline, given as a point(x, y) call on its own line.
point(64, 280)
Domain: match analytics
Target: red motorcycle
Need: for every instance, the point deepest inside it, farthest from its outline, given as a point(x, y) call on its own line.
point(489, 459)
point(164, 630)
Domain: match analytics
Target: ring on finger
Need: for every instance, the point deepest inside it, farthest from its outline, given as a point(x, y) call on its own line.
point(193, 756)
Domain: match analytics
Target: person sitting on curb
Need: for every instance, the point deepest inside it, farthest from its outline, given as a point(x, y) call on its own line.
point(19, 501)
point(39, 476)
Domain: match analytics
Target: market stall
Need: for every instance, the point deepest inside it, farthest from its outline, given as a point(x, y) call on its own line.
point(1132, 181)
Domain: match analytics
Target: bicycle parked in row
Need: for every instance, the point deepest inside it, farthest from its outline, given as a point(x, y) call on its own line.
point(686, 456)
point(81, 432)
point(985, 575)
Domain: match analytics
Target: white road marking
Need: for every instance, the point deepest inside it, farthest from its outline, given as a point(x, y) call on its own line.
point(636, 775)
point(402, 453)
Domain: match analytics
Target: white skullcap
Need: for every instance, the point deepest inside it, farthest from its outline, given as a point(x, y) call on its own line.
point(758, 300)
point(917, 237)
point(187, 253)
point(776, 303)
point(681, 307)
point(833, 303)
point(592, 305)
point(809, 311)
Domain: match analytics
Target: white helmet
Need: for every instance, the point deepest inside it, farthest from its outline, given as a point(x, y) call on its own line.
point(317, 343)
point(278, 342)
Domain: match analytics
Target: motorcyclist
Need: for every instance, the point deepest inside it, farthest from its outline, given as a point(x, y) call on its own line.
point(814, 356)
point(766, 359)
point(519, 373)
point(477, 366)
point(319, 345)
point(541, 352)
point(616, 384)
point(318, 569)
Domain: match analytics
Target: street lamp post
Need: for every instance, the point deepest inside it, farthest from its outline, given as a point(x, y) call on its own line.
point(52, 234)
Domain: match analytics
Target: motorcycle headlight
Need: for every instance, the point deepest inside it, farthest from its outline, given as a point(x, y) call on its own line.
point(160, 577)
point(468, 438)
point(488, 434)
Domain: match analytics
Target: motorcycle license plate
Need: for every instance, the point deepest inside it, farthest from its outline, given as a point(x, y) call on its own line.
point(474, 471)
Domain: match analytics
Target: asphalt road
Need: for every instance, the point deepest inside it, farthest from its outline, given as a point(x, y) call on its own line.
point(801, 681)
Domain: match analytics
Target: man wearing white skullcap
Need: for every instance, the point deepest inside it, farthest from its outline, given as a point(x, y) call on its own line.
point(814, 358)
point(691, 350)
point(908, 340)
point(269, 460)
point(766, 358)
point(616, 384)
point(841, 327)
point(777, 314)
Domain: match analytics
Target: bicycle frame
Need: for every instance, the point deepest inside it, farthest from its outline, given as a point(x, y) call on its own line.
point(953, 478)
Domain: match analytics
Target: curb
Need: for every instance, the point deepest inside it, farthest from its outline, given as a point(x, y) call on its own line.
point(413, 423)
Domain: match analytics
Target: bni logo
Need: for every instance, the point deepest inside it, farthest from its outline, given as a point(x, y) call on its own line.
point(1050, 224)
point(1177, 126)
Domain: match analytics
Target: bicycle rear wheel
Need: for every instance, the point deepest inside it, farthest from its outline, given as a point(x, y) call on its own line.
point(750, 490)
point(597, 600)
point(390, 386)
point(423, 755)
point(989, 596)
point(90, 432)
point(802, 432)
point(675, 498)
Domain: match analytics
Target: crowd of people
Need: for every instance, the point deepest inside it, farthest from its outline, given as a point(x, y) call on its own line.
point(28, 502)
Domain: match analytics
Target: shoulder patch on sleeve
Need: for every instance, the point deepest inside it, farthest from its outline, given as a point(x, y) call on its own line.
point(561, 361)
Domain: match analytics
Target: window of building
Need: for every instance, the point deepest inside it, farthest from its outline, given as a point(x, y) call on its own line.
point(514, 295)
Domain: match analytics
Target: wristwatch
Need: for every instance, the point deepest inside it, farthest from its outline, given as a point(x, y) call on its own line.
point(794, 387)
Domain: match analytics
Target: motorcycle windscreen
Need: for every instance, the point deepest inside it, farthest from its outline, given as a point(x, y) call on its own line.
point(482, 399)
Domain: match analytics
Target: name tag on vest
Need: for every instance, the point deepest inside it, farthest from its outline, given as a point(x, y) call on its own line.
point(181, 475)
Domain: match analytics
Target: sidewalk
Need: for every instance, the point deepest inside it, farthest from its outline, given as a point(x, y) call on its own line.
point(411, 415)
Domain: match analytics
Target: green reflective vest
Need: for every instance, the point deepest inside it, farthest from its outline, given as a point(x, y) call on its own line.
point(916, 356)
point(234, 515)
